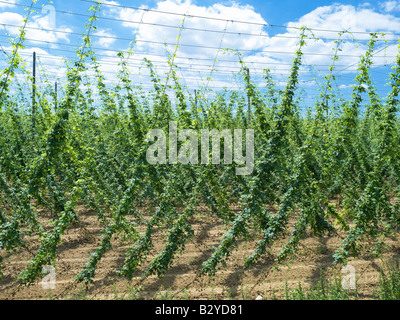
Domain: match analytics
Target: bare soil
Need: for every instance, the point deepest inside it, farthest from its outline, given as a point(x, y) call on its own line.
point(182, 280)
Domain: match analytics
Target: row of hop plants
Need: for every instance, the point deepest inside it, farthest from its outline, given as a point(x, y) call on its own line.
point(91, 151)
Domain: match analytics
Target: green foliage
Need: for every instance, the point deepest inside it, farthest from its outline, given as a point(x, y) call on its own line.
point(91, 151)
point(324, 289)
point(389, 282)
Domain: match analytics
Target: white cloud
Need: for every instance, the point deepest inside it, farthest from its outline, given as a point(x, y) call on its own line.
point(42, 28)
point(11, 18)
point(9, 4)
point(105, 38)
point(150, 31)
point(346, 17)
point(150, 26)
point(266, 49)
point(390, 6)
point(39, 27)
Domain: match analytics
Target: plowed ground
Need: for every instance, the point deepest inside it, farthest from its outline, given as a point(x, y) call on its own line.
point(182, 281)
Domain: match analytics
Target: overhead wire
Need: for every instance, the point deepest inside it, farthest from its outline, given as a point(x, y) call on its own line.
point(183, 44)
point(113, 4)
point(119, 19)
point(220, 70)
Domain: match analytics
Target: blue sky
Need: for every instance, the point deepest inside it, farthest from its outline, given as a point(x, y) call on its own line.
point(55, 32)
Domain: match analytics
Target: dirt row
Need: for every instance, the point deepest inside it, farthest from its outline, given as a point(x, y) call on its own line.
point(182, 280)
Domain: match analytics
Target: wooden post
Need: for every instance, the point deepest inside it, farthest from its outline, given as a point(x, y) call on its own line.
point(248, 97)
point(195, 105)
point(34, 83)
point(34, 88)
point(55, 95)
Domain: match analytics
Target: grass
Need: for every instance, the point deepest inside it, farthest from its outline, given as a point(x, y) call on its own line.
point(245, 293)
point(389, 282)
point(332, 289)
point(81, 294)
point(324, 289)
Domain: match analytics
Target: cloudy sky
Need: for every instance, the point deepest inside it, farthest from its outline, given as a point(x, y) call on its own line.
point(264, 32)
